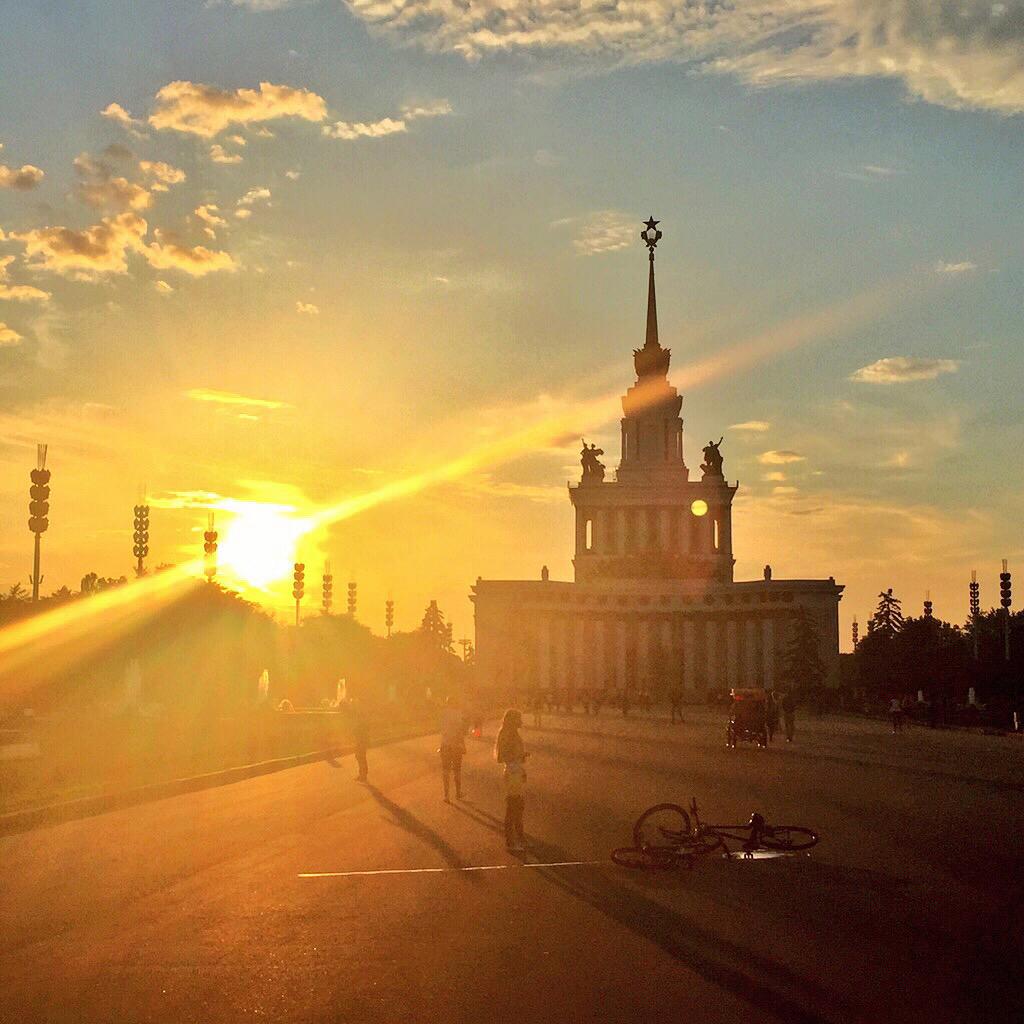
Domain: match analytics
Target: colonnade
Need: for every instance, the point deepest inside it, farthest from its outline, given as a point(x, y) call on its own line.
point(628, 530)
point(701, 651)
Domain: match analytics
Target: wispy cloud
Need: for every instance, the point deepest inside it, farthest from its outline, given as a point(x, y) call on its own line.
point(306, 308)
point(753, 426)
point(975, 59)
point(601, 232)
point(18, 292)
point(903, 369)
point(22, 178)
point(962, 267)
point(8, 336)
point(231, 398)
point(779, 458)
point(351, 130)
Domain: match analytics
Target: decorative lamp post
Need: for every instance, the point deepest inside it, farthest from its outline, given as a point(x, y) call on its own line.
point(38, 510)
point(928, 604)
point(140, 538)
point(1006, 600)
point(328, 589)
point(298, 587)
point(975, 592)
point(856, 632)
point(352, 600)
point(210, 549)
point(389, 615)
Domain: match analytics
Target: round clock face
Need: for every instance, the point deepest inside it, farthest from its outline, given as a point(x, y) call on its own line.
point(699, 507)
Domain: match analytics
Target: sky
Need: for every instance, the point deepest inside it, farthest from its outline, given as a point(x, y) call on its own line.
point(359, 275)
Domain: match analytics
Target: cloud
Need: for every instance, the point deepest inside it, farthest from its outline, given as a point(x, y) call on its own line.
point(293, 175)
point(209, 214)
point(307, 308)
point(103, 248)
point(349, 130)
point(220, 156)
point(774, 477)
point(779, 458)
point(244, 213)
point(99, 187)
point(902, 369)
point(116, 113)
point(966, 55)
point(206, 111)
point(18, 292)
point(257, 194)
point(163, 287)
point(8, 336)
point(602, 231)
point(964, 267)
point(20, 178)
point(754, 426)
point(230, 398)
point(163, 175)
point(196, 261)
point(88, 253)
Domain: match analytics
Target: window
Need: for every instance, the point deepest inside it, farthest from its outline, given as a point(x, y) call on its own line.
point(716, 534)
point(590, 535)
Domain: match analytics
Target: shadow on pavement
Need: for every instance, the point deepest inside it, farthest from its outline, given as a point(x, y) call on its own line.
point(413, 825)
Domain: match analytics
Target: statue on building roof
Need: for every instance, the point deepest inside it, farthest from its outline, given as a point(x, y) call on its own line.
point(713, 458)
point(593, 468)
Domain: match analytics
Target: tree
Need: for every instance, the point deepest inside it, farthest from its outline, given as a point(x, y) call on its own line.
point(888, 615)
point(435, 628)
point(802, 668)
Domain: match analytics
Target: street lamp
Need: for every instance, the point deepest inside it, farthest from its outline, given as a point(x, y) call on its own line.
point(975, 592)
point(1006, 600)
point(210, 549)
point(298, 587)
point(140, 538)
point(352, 600)
point(389, 615)
point(328, 589)
point(38, 508)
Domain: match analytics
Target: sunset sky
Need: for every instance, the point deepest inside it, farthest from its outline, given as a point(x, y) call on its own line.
point(274, 255)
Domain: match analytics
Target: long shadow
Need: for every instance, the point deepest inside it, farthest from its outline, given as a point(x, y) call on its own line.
point(692, 946)
point(415, 827)
point(681, 939)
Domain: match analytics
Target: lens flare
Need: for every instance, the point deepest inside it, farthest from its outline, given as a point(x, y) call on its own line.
point(260, 543)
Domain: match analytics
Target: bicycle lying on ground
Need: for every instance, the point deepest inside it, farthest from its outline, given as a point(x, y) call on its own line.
point(666, 836)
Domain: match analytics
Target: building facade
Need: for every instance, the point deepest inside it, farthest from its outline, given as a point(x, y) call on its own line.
point(654, 602)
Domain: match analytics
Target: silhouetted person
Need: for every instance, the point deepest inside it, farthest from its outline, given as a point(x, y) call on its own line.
point(360, 732)
point(510, 751)
point(896, 715)
point(675, 703)
point(789, 715)
point(771, 714)
point(537, 704)
point(453, 746)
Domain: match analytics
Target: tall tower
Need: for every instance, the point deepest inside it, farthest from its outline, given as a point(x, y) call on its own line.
point(652, 521)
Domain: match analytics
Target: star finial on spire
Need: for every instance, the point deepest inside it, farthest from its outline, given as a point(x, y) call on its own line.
point(651, 235)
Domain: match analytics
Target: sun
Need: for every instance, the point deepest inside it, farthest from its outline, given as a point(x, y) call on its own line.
point(260, 542)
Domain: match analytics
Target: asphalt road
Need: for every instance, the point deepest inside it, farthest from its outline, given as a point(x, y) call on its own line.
point(196, 909)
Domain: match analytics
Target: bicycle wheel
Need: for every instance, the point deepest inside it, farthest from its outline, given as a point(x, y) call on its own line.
point(661, 827)
point(788, 837)
point(631, 857)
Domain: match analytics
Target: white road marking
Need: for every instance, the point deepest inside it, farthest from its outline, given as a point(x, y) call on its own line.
point(441, 871)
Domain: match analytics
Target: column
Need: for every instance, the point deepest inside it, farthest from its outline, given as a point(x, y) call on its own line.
point(689, 655)
point(581, 530)
point(582, 652)
point(752, 661)
point(620, 653)
point(665, 523)
point(672, 668)
point(731, 660)
point(643, 650)
point(711, 643)
point(768, 651)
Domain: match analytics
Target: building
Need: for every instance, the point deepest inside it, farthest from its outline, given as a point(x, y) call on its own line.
point(654, 601)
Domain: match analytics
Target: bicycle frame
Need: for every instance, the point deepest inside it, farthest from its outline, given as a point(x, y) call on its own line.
point(750, 836)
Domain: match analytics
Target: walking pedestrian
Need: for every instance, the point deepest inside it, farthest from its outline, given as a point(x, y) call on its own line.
point(789, 714)
point(453, 746)
point(538, 706)
point(896, 715)
point(360, 733)
point(510, 751)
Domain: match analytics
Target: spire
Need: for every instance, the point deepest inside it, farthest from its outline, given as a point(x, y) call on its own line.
point(652, 308)
point(652, 359)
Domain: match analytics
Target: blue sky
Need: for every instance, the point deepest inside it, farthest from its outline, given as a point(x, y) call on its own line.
point(442, 244)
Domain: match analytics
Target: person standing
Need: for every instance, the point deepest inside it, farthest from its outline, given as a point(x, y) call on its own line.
point(538, 706)
point(789, 714)
point(453, 746)
point(510, 751)
point(360, 733)
point(896, 715)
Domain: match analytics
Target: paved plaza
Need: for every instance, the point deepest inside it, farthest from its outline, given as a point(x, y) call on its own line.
point(305, 896)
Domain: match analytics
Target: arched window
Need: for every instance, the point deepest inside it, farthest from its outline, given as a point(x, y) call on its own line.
point(717, 534)
point(590, 535)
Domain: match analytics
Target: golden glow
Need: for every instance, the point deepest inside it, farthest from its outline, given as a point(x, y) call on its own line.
point(699, 507)
point(260, 543)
